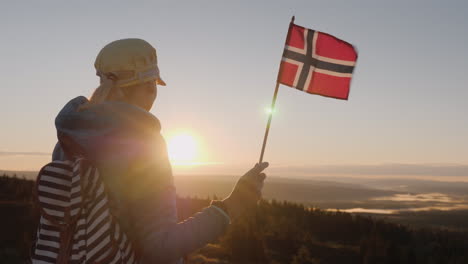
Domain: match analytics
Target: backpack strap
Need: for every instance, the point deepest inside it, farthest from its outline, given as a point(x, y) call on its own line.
point(60, 176)
point(68, 193)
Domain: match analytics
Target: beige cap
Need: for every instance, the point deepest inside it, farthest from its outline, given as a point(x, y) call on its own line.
point(130, 61)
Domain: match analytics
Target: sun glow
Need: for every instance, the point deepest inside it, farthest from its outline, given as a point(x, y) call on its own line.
point(270, 110)
point(182, 148)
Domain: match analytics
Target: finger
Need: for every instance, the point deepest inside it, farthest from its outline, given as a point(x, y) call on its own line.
point(262, 177)
point(259, 167)
point(255, 180)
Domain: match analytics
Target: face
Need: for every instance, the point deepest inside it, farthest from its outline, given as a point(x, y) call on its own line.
point(142, 95)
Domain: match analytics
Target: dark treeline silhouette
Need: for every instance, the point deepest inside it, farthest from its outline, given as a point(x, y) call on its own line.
point(18, 219)
point(280, 232)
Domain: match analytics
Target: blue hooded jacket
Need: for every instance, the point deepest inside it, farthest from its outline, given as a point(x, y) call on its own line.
point(124, 143)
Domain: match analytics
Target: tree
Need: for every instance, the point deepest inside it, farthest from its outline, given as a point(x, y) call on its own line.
point(303, 257)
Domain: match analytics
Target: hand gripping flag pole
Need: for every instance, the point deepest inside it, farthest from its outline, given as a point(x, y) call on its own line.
point(316, 63)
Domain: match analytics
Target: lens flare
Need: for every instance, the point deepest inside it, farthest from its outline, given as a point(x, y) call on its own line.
point(270, 110)
point(182, 148)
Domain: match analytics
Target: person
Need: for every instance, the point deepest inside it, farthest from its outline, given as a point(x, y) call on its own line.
point(115, 131)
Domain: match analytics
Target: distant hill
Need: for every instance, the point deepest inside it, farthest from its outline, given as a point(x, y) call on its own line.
point(324, 192)
point(405, 184)
point(30, 175)
point(297, 190)
point(307, 191)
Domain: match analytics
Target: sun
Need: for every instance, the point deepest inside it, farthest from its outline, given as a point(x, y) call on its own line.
point(182, 149)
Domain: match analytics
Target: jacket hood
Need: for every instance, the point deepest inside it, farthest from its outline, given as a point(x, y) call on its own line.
point(102, 129)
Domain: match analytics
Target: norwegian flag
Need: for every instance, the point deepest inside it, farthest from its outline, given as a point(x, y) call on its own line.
point(317, 63)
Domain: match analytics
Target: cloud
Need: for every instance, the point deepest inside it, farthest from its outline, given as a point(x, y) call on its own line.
point(16, 153)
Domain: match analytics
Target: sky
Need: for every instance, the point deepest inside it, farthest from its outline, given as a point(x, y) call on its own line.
point(220, 59)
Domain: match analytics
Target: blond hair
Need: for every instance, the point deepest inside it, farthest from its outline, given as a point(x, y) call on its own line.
point(106, 91)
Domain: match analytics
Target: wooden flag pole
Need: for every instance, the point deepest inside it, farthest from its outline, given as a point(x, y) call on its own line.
point(272, 109)
point(269, 121)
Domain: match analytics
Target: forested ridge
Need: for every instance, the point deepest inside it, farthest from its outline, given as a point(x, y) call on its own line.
point(280, 232)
